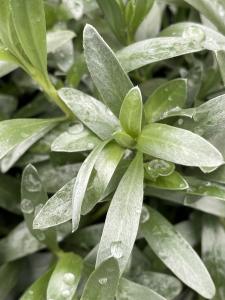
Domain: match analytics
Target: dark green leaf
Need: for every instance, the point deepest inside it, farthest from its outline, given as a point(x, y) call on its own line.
point(9, 276)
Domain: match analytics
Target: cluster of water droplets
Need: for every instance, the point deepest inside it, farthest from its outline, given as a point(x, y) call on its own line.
point(68, 282)
point(116, 249)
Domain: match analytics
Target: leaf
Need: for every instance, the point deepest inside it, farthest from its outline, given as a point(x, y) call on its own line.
point(213, 10)
point(123, 216)
point(123, 139)
point(93, 113)
point(15, 131)
point(178, 145)
point(10, 193)
point(18, 243)
point(65, 277)
point(6, 67)
point(173, 181)
point(177, 39)
point(133, 291)
point(81, 183)
point(103, 282)
point(29, 22)
point(177, 254)
point(110, 79)
point(102, 174)
point(9, 276)
point(220, 56)
point(57, 39)
point(165, 285)
point(37, 291)
point(33, 197)
point(213, 252)
point(115, 17)
point(57, 209)
point(131, 112)
point(170, 96)
point(11, 158)
point(75, 139)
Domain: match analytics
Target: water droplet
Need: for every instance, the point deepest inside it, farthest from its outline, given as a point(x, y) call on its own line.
point(75, 129)
point(221, 10)
point(170, 98)
point(66, 293)
point(103, 281)
point(32, 183)
point(194, 33)
point(69, 278)
point(144, 215)
point(116, 249)
point(90, 145)
point(27, 206)
point(180, 122)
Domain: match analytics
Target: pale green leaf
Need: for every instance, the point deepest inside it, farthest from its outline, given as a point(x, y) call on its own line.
point(173, 181)
point(29, 22)
point(177, 254)
point(93, 113)
point(170, 96)
point(133, 291)
point(33, 196)
point(131, 112)
point(110, 79)
point(178, 145)
point(103, 282)
point(75, 139)
point(65, 277)
point(123, 216)
point(13, 132)
point(81, 183)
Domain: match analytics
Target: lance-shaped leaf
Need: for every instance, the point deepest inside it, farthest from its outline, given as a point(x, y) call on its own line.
point(14, 132)
point(93, 113)
point(81, 183)
point(65, 277)
point(213, 252)
point(131, 112)
point(75, 139)
point(166, 285)
point(57, 39)
point(37, 291)
point(178, 145)
point(177, 254)
point(29, 22)
point(115, 17)
point(123, 216)
point(33, 197)
point(103, 282)
point(110, 79)
point(57, 209)
point(176, 40)
point(102, 173)
point(213, 10)
point(170, 96)
point(132, 291)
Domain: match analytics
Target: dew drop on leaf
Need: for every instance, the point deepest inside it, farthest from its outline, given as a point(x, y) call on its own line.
point(180, 122)
point(194, 33)
point(116, 249)
point(66, 293)
point(69, 278)
point(103, 281)
point(27, 206)
point(144, 215)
